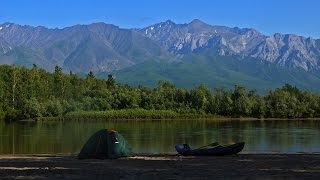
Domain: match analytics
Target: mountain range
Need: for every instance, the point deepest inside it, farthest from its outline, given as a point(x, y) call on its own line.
point(186, 54)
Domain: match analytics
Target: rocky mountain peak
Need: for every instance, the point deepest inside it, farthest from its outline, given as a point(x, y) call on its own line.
point(197, 22)
point(283, 49)
point(109, 47)
point(4, 46)
point(5, 26)
point(81, 48)
point(169, 22)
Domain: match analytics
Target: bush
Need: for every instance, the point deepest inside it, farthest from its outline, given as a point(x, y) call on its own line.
point(124, 114)
point(32, 109)
point(13, 115)
point(53, 108)
point(2, 115)
point(68, 106)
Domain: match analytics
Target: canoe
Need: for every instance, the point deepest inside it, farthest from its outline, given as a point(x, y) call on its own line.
point(213, 149)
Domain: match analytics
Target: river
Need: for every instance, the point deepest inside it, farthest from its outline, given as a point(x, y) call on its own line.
point(155, 136)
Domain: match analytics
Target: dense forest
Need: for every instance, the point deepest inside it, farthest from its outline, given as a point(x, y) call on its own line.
point(32, 93)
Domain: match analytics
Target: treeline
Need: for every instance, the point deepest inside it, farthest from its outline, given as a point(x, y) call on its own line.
point(31, 93)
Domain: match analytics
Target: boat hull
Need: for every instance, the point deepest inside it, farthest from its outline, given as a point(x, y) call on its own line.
point(211, 151)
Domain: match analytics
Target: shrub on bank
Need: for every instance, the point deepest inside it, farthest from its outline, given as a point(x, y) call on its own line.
point(2, 114)
point(13, 115)
point(124, 114)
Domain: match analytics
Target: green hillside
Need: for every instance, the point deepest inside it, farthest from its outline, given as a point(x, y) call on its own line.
point(218, 71)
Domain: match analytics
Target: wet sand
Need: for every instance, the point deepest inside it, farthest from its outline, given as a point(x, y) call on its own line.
point(242, 166)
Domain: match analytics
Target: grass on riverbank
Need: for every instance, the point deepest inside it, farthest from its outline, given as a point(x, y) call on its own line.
point(128, 114)
point(132, 114)
point(143, 114)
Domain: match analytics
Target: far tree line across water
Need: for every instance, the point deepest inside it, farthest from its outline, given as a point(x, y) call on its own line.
point(32, 93)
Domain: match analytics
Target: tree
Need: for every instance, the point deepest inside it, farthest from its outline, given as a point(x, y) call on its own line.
point(282, 104)
point(59, 83)
point(111, 82)
point(167, 92)
point(30, 93)
point(90, 76)
point(200, 98)
point(241, 102)
point(226, 106)
point(32, 109)
point(258, 108)
point(14, 84)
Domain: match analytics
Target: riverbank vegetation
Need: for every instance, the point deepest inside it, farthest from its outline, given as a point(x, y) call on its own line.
point(31, 93)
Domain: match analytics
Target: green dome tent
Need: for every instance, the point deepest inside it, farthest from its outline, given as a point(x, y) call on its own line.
point(105, 144)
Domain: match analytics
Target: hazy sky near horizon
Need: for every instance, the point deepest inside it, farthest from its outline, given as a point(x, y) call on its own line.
point(300, 17)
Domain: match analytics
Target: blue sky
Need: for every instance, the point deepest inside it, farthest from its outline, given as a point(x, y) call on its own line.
point(268, 16)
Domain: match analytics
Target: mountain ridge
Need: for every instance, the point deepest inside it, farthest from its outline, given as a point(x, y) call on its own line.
point(283, 49)
point(59, 46)
point(218, 72)
point(181, 49)
point(178, 39)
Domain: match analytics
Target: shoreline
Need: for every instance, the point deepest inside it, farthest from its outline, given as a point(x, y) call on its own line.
point(57, 119)
point(156, 155)
point(163, 166)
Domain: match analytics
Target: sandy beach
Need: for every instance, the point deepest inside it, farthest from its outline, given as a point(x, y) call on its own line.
point(242, 166)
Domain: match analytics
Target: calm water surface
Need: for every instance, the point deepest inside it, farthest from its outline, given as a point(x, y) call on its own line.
point(291, 136)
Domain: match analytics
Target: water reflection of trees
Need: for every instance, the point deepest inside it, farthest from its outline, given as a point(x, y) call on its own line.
point(161, 136)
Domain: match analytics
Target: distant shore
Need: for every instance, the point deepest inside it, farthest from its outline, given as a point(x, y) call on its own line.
point(243, 119)
point(142, 114)
point(209, 118)
point(241, 166)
